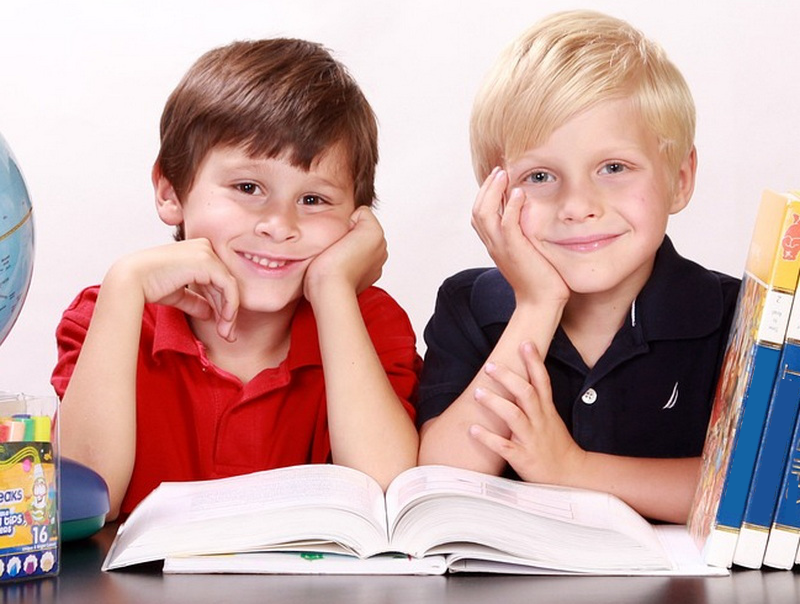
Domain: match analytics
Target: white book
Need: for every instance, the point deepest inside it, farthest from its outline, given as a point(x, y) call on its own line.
point(430, 511)
point(304, 563)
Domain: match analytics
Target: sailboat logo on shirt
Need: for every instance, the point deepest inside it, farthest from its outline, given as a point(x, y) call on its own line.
point(673, 398)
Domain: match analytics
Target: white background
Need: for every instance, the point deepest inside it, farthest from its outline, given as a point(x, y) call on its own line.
point(82, 85)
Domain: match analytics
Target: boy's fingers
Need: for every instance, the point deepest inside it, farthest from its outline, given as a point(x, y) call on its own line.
point(362, 215)
point(485, 185)
point(513, 209)
point(225, 299)
point(513, 416)
point(193, 304)
point(219, 291)
point(495, 443)
point(524, 393)
point(488, 204)
point(537, 372)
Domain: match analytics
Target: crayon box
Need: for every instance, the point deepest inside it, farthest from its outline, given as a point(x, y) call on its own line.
point(29, 503)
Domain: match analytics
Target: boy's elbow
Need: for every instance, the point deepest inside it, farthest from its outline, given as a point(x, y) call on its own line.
point(427, 453)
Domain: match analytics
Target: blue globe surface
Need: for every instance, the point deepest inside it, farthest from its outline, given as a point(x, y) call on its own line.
point(16, 240)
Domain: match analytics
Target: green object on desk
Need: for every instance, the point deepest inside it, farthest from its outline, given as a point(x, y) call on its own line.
point(72, 530)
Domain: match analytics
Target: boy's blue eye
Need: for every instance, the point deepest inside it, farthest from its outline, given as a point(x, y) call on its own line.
point(613, 168)
point(539, 177)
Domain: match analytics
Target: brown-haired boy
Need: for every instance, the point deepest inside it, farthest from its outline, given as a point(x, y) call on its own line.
point(256, 340)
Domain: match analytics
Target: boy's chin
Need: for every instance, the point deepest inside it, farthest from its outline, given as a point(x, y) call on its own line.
point(269, 303)
point(587, 285)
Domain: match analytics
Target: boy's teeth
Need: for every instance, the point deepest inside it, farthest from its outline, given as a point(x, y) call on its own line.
point(265, 262)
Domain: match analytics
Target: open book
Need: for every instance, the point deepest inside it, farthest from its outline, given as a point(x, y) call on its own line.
point(449, 517)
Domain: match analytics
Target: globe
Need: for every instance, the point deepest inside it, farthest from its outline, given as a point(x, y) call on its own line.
point(16, 240)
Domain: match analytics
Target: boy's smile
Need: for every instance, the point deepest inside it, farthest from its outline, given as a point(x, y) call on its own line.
point(598, 194)
point(267, 219)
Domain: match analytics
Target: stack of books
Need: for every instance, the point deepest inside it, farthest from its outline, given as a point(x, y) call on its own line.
point(747, 507)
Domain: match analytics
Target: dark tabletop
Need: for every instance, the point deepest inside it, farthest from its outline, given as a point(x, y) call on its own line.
point(82, 582)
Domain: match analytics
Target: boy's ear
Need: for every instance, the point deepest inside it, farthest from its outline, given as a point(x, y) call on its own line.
point(168, 205)
point(684, 182)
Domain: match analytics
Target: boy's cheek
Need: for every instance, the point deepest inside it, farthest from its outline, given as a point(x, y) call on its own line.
point(326, 242)
point(529, 222)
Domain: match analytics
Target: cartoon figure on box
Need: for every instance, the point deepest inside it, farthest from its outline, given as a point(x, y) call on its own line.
point(791, 239)
point(40, 511)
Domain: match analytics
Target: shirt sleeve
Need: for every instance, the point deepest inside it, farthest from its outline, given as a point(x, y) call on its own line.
point(457, 346)
point(393, 337)
point(70, 335)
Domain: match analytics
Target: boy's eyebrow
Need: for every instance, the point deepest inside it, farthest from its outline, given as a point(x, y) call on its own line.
point(613, 147)
point(341, 180)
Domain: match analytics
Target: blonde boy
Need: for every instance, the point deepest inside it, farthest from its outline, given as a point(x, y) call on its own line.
point(589, 356)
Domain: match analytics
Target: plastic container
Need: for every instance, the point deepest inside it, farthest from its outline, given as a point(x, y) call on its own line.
point(29, 501)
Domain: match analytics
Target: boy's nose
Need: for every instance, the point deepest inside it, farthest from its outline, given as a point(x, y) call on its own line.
point(578, 205)
point(278, 221)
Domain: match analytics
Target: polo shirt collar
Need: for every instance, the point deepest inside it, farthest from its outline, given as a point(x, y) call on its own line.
point(680, 300)
point(171, 332)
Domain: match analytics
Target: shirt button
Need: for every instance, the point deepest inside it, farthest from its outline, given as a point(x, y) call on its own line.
point(590, 396)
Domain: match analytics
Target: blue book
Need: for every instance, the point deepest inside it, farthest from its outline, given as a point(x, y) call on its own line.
point(771, 460)
point(784, 534)
point(747, 377)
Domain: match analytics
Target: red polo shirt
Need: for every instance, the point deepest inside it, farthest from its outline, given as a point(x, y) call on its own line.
point(196, 421)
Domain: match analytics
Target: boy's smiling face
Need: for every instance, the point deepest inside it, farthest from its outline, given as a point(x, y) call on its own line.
point(266, 219)
point(598, 194)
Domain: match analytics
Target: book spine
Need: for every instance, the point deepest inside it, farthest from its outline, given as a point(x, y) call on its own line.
point(784, 534)
point(745, 448)
point(719, 546)
point(773, 452)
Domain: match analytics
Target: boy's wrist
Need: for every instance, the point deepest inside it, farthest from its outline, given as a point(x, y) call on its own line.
point(121, 277)
point(540, 310)
point(576, 464)
point(330, 291)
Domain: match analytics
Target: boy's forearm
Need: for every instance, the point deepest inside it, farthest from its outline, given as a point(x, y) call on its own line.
point(659, 489)
point(446, 439)
point(370, 430)
point(98, 412)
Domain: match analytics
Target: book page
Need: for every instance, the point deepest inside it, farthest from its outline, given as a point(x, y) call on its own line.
point(427, 482)
point(434, 509)
point(299, 563)
point(685, 557)
point(312, 503)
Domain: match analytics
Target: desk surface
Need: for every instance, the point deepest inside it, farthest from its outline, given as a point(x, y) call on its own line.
point(81, 581)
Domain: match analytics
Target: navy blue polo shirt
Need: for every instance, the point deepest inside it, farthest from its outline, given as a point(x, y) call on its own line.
point(650, 393)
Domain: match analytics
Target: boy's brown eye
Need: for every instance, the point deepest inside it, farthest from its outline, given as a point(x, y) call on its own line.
point(248, 187)
point(311, 200)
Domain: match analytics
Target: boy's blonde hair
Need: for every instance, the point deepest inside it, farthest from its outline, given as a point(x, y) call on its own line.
point(563, 65)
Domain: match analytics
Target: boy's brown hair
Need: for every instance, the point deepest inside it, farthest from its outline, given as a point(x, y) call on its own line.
point(277, 97)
